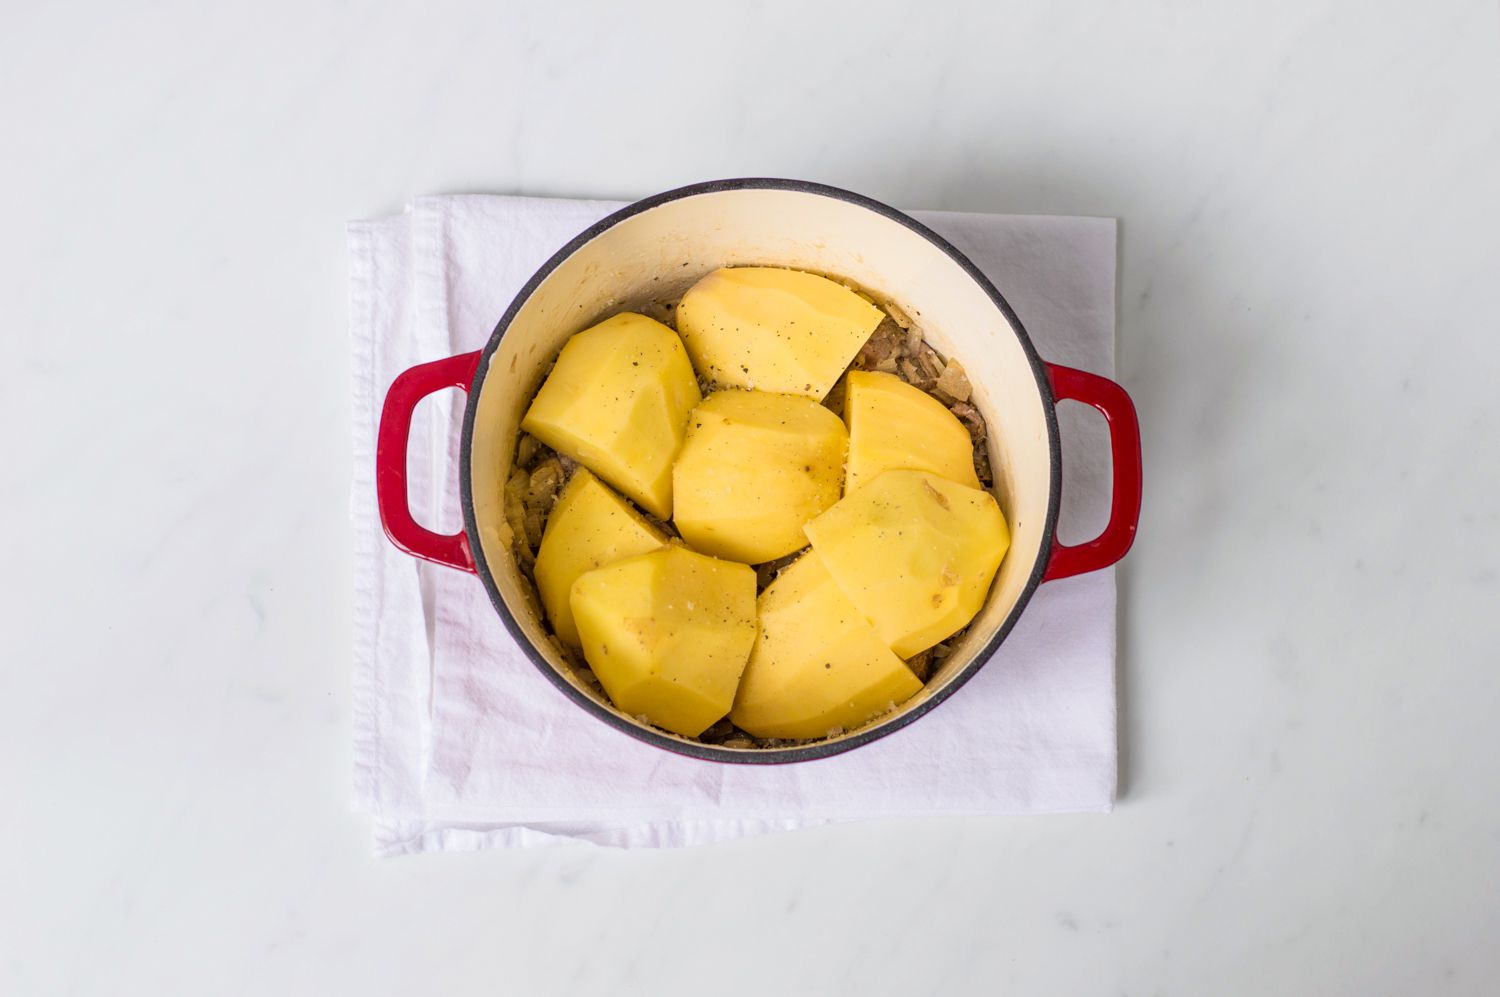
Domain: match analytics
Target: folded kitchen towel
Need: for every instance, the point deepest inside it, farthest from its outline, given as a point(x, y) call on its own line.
point(460, 744)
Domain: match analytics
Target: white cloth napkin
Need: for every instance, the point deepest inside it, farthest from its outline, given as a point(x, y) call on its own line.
point(460, 744)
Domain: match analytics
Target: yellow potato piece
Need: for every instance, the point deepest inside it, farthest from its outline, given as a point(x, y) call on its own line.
point(914, 552)
point(817, 666)
point(617, 402)
point(774, 329)
point(590, 526)
point(668, 634)
point(755, 467)
point(895, 425)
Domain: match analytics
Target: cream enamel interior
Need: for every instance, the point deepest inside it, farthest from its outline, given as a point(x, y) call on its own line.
point(658, 253)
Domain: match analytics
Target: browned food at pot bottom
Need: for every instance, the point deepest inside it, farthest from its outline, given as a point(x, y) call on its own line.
point(902, 352)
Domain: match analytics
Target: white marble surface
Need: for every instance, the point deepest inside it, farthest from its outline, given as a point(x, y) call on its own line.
point(1309, 322)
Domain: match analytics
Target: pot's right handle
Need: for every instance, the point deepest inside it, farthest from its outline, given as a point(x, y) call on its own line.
point(1125, 452)
point(390, 460)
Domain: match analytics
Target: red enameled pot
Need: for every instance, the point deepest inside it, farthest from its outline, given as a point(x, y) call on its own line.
point(655, 249)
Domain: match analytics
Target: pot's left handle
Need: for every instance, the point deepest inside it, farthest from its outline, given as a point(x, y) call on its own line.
point(390, 460)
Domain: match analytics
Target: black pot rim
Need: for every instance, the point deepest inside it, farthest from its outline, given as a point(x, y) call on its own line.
point(817, 749)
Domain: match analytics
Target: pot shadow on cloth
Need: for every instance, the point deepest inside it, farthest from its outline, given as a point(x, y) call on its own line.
point(1184, 363)
point(1187, 351)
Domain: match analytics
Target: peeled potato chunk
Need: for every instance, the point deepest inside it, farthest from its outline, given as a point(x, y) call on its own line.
point(774, 329)
point(617, 402)
point(590, 526)
point(668, 634)
point(755, 467)
point(914, 552)
point(817, 666)
point(895, 425)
